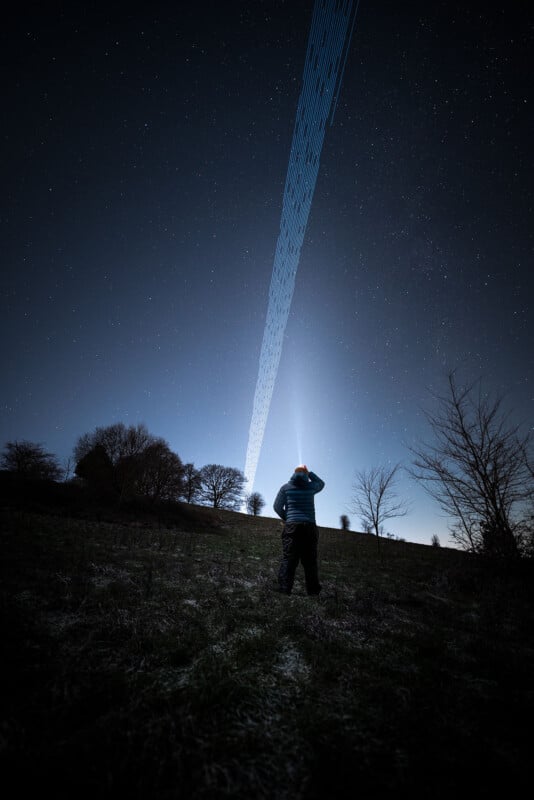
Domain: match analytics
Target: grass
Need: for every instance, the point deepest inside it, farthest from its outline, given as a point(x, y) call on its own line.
point(153, 660)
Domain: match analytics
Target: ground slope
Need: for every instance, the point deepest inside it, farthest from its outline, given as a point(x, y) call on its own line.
point(150, 658)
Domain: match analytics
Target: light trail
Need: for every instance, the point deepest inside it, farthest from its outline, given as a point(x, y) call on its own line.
point(328, 43)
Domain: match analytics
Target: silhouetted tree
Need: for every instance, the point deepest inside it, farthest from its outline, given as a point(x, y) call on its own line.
point(159, 472)
point(375, 498)
point(96, 469)
point(191, 483)
point(121, 445)
point(255, 503)
point(435, 541)
point(222, 487)
point(117, 440)
point(30, 460)
point(477, 469)
point(344, 522)
point(136, 463)
point(67, 469)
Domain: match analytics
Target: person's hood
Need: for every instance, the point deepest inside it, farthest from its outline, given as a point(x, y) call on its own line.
point(299, 479)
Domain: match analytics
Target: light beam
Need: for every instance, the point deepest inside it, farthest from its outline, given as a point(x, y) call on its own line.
point(328, 43)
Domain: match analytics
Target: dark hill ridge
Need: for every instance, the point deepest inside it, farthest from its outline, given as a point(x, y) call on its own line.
point(148, 657)
point(72, 500)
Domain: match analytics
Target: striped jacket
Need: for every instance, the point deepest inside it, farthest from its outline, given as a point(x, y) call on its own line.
point(294, 502)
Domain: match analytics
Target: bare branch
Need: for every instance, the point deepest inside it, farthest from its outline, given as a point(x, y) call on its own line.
point(476, 467)
point(375, 498)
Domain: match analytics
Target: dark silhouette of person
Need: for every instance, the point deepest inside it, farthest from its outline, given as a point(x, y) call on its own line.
point(295, 505)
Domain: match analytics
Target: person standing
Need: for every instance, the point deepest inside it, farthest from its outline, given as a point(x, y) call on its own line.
point(295, 505)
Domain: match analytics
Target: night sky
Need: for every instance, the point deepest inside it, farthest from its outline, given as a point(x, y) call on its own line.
point(144, 160)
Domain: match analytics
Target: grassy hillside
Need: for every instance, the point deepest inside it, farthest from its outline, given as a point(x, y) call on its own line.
point(152, 659)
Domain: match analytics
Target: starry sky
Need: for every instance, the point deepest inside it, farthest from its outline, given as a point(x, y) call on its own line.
point(144, 160)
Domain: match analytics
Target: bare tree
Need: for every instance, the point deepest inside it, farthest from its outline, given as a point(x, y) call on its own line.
point(477, 469)
point(344, 522)
point(122, 446)
point(68, 469)
point(30, 460)
point(96, 470)
point(255, 503)
point(159, 473)
point(191, 483)
point(375, 498)
point(435, 540)
point(222, 487)
point(129, 461)
point(118, 441)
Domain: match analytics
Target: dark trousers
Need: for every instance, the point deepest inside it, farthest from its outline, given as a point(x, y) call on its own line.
point(299, 543)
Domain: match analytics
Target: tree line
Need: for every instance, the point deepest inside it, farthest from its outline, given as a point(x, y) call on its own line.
point(476, 464)
point(117, 463)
